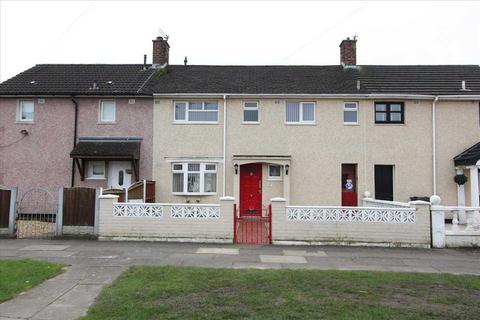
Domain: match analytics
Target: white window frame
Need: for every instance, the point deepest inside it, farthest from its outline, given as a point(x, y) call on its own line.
point(187, 109)
point(202, 172)
point(257, 108)
point(349, 109)
point(301, 121)
point(275, 178)
point(20, 111)
point(100, 115)
point(91, 175)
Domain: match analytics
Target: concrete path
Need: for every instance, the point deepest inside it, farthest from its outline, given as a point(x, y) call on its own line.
point(94, 264)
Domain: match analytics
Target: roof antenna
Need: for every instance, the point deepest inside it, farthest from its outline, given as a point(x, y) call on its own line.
point(185, 61)
point(162, 34)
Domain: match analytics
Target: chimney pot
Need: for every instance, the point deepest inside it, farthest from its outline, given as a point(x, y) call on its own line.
point(348, 52)
point(160, 51)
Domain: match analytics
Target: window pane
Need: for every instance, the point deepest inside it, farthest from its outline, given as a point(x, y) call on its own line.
point(211, 106)
point(350, 105)
point(380, 107)
point(180, 111)
point(250, 115)
point(194, 167)
point(195, 106)
point(177, 167)
point(380, 117)
point(108, 111)
point(396, 117)
point(274, 171)
point(98, 168)
point(120, 178)
point(293, 112)
point(210, 182)
point(395, 107)
point(211, 167)
point(193, 182)
point(203, 116)
point(26, 110)
point(350, 116)
point(251, 105)
point(308, 112)
point(177, 185)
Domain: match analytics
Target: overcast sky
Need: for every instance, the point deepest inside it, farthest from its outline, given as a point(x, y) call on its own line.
point(34, 32)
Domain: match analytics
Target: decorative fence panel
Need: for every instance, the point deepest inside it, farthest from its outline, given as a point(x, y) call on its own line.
point(349, 214)
point(78, 206)
point(137, 210)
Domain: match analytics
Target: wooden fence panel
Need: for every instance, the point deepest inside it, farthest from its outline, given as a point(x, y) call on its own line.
point(78, 206)
point(4, 208)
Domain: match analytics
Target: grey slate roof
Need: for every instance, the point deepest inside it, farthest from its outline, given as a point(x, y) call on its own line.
point(469, 156)
point(78, 79)
point(133, 80)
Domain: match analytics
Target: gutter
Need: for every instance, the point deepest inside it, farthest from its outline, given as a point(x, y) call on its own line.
point(295, 95)
point(434, 143)
point(224, 189)
point(75, 127)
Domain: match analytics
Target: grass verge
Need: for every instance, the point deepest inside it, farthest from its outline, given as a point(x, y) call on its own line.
point(202, 293)
point(20, 275)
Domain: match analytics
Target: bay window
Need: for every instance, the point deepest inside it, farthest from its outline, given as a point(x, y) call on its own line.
point(194, 178)
point(194, 111)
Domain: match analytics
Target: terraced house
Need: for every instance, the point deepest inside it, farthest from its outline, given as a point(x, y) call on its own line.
point(313, 135)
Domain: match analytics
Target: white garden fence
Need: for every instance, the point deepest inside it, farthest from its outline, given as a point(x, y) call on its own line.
point(166, 221)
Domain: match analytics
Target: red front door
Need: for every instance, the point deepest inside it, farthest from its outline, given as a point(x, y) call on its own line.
point(251, 189)
point(349, 185)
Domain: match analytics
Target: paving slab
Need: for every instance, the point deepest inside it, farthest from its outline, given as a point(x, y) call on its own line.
point(305, 253)
point(253, 265)
point(45, 247)
point(218, 250)
point(282, 259)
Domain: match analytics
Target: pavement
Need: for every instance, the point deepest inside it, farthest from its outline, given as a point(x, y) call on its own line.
point(95, 264)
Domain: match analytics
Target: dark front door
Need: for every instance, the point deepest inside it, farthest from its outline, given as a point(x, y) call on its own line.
point(384, 182)
point(349, 185)
point(251, 189)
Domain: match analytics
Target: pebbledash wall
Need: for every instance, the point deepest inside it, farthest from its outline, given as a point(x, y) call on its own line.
point(41, 159)
point(317, 151)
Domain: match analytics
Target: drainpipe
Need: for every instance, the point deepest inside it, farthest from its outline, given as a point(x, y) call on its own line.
point(75, 125)
point(434, 148)
point(224, 144)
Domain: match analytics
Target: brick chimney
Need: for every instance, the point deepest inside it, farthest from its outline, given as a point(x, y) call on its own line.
point(348, 52)
point(160, 51)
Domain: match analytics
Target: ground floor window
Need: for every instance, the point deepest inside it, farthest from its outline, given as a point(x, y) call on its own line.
point(194, 178)
point(96, 170)
point(274, 172)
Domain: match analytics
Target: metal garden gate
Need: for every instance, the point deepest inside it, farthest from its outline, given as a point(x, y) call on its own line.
point(252, 229)
point(36, 214)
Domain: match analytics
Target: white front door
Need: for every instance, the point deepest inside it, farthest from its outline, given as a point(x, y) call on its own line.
point(119, 174)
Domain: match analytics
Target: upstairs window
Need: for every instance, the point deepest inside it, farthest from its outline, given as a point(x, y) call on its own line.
point(192, 111)
point(389, 112)
point(25, 111)
point(350, 113)
point(194, 178)
point(300, 112)
point(107, 111)
point(250, 112)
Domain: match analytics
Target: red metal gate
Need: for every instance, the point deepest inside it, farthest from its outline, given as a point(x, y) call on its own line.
point(252, 229)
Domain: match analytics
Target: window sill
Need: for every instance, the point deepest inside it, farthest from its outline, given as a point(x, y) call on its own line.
point(251, 122)
point(106, 122)
point(96, 178)
point(195, 194)
point(195, 122)
point(390, 124)
point(274, 179)
point(24, 122)
point(351, 124)
point(300, 123)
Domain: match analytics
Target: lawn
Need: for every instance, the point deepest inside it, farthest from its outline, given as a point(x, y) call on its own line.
point(20, 275)
point(200, 293)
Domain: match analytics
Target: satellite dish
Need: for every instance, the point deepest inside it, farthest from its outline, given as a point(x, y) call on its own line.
point(162, 34)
